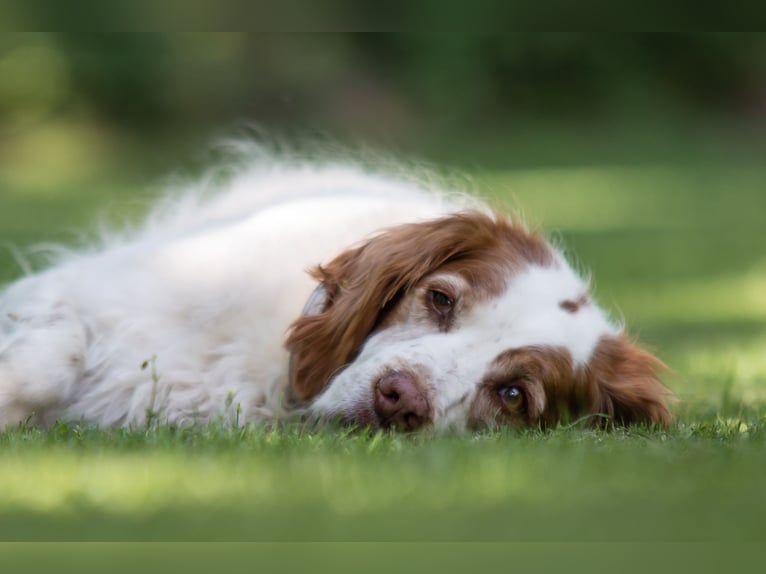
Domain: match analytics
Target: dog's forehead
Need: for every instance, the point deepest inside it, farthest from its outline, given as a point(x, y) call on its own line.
point(542, 306)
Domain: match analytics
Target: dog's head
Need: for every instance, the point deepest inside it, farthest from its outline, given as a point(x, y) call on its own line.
point(467, 321)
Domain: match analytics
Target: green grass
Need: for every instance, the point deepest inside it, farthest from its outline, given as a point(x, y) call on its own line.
point(698, 481)
point(676, 250)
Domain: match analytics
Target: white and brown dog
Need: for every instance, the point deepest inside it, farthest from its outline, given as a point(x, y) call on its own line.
point(423, 310)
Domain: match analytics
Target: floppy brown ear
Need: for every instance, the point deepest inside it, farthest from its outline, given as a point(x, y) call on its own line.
point(321, 343)
point(625, 384)
point(360, 285)
point(363, 283)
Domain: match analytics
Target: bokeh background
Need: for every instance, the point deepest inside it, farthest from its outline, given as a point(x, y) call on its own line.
point(74, 107)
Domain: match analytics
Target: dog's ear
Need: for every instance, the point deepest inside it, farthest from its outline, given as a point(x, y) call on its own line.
point(363, 283)
point(358, 287)
point(624, 384)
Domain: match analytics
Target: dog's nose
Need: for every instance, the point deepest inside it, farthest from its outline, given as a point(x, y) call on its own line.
point(399, 403)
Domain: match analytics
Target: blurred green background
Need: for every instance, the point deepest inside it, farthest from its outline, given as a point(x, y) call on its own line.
point(490, 100)
point(641, 154)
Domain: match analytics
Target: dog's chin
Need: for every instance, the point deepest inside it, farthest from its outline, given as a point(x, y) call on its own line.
point(360, 418)
point(363, 418)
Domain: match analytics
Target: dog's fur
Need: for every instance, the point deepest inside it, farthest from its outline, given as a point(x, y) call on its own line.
point(433, 312)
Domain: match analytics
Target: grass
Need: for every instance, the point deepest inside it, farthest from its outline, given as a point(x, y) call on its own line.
point(677, 250)
point(695, 482)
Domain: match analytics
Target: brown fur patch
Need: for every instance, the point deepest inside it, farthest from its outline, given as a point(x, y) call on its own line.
point(624, 384)
point(571, 306)
point(545, 376)
point(619, 382)
point(363, 283)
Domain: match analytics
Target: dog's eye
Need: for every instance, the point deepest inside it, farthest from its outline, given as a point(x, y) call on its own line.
point(513, 398)
point(441, 302)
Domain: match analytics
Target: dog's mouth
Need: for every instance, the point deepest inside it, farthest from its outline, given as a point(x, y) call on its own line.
point(362, 417)
point(365, 419)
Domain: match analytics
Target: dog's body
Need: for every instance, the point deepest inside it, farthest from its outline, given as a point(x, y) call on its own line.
point(185, 320)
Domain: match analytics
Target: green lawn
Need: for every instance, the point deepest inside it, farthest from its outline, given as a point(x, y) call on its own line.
point(676, 250)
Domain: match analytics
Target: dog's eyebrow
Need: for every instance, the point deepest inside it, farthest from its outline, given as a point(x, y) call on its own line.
point(572, 306)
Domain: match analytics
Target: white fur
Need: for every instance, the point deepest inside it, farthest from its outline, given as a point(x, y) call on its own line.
point(185, 319)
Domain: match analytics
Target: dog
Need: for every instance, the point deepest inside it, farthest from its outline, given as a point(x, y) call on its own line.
point(327, 290)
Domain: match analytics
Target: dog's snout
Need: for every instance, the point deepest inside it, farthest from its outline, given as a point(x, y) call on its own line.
point(399, 403)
